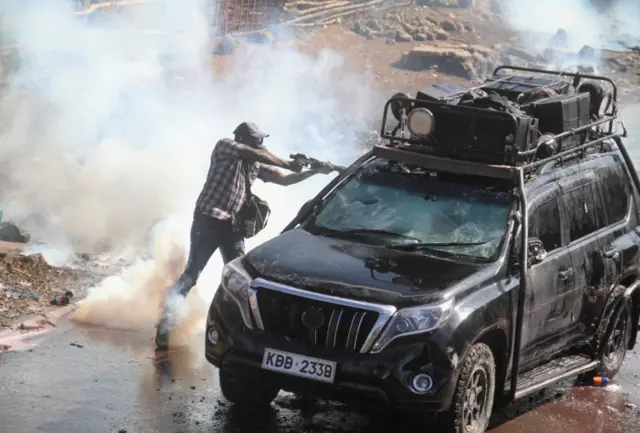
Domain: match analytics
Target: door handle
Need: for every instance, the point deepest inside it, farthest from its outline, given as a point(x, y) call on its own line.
point(612, 253)
point(565, 274)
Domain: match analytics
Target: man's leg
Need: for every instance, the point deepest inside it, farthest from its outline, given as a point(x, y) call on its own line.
point(232, 244)
point(205, 238)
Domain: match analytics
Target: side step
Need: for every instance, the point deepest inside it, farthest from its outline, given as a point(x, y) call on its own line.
point(553, 371)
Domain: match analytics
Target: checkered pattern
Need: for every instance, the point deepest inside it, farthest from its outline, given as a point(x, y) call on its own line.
point(225, 191)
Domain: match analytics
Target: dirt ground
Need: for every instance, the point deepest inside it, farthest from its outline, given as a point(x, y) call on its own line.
point(28, 284)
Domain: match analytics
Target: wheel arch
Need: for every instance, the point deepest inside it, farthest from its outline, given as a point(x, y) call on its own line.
point(633, 296)
point(496, 337)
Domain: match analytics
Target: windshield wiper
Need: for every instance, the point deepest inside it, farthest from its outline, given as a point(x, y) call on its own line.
point(427, 245)
point(366, 232)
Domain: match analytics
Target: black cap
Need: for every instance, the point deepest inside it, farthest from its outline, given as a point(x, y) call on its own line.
point(249, 129)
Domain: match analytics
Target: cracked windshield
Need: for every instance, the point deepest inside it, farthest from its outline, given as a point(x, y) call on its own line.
point(415, 208)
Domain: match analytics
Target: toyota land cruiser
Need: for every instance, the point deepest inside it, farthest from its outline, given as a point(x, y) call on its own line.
point(487, 249)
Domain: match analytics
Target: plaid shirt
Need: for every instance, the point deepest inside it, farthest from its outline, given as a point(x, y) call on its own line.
point(225, 189)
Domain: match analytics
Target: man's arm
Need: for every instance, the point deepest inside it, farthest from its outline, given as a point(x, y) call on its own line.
point(273, 175)
point(262, 156)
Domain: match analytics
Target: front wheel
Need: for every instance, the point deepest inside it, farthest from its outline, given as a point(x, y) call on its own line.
point(246, 392)
point(616, 342)
point(473, 399)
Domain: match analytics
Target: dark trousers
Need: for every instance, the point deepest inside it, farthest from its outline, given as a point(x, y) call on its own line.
point(207, 235)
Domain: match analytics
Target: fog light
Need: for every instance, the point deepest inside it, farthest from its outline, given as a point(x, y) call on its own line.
point(213, 336)
point(421, 383)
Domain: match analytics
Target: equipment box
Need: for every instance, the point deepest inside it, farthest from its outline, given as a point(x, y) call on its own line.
point(439, 92)
point(484, 136)
point(512, 86)
point(562, 113)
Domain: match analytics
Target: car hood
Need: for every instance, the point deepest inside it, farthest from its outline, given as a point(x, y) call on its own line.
point(345, 268)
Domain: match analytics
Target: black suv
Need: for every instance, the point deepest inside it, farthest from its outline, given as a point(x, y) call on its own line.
point(489, 248)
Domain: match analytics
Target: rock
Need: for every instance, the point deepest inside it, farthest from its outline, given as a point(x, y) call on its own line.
point(390, 41)
point(360, 28)
point(450, 59)
point(420, 37)
point(521, 53)
point(432, 21)
point(468, 26)
point(449, 26)
point(441, 36)
point(390, 33)
point(408, 28)
point(587, 53)
point(374, 25)
point(402, 36)
point(465, 4)
point(10, 232)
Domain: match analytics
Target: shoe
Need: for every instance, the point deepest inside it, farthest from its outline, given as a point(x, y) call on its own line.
point(162, 338)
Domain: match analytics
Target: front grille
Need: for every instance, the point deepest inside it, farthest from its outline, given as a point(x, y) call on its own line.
point(344, 328)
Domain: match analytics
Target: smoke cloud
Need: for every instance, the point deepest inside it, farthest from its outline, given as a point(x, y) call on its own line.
point(601, 24)
point(108, 127)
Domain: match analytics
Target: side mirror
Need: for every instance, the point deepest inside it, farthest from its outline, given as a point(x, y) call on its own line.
point(536, 251)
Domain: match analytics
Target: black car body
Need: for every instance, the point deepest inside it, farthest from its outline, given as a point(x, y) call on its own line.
point(442, 276)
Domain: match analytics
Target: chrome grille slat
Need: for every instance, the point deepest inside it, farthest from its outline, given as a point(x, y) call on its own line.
point(355, 341)
point(335, 333)
point(277, 309)
point(352, 337)
point(331, 328)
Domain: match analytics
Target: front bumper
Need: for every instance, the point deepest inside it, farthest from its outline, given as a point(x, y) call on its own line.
point(382, 378)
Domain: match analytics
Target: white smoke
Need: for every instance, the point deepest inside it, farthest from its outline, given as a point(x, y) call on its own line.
point(109, 127)
point(601, 28)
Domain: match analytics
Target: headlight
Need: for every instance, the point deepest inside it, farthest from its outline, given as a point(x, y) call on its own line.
point(235, 279)
point(415, 320)
point(420, 122)
point(237, 282)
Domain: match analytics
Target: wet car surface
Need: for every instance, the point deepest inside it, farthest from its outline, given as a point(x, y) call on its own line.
point(75, 379)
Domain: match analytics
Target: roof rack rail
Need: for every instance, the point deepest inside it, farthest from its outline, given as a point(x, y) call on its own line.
point(575, 75)
point(498, 132)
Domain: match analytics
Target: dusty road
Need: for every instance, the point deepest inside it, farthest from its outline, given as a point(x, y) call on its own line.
point(76, 380)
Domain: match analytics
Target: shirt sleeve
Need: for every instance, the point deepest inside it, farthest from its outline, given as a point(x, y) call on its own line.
point(265, 171)
point(228, 148)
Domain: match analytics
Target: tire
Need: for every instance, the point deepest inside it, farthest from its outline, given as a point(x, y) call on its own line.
point(479, 367)
point(243, 392)
point(615, 342)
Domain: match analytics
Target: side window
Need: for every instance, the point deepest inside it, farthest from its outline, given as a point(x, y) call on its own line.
point(544, 224)
point(585, 215)
point(615, 190)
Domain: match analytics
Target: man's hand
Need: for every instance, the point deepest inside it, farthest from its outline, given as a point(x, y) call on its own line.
point(294, 165)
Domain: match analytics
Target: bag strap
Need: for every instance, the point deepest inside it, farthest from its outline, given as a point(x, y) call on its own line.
point(247, 180)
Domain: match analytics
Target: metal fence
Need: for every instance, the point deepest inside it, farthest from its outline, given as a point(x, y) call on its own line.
point(240, 16)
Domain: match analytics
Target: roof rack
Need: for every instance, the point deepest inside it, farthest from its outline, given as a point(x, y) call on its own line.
point(495, 140)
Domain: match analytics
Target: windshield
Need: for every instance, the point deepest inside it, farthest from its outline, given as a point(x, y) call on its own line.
point(418, 210)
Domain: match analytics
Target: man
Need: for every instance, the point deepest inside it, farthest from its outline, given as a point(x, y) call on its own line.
point(215, 223)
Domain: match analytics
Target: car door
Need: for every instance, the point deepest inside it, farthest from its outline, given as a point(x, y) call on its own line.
point(587, 236)
point(614, 241)
point(548, 281)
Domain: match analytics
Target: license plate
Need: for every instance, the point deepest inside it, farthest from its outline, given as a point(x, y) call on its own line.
point(299, 365)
